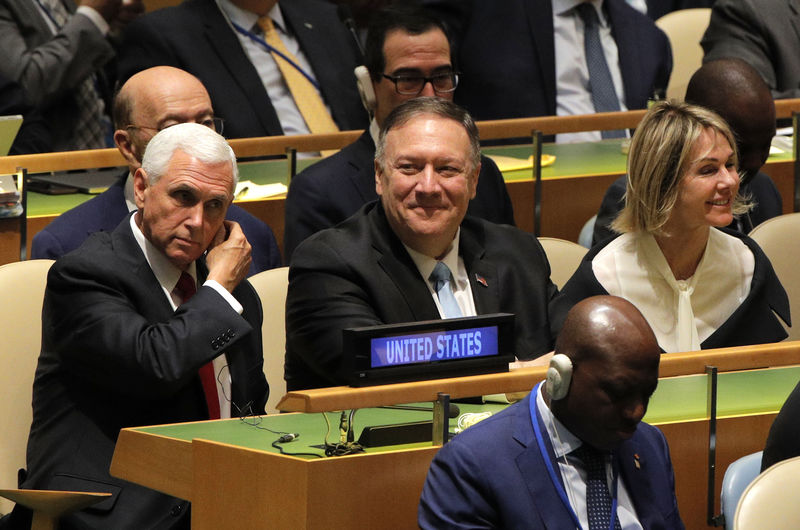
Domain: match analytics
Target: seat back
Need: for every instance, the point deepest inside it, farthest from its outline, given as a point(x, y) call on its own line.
point(564, 257)
point(737, 477)
point(22, 284)
point(770, 501)
point(778, 238)
point(271, 286)
point(684, 29)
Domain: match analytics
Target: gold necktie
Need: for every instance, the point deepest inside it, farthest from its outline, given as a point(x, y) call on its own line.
point(305, 95)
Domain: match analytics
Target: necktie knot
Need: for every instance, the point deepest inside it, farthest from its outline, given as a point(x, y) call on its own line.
point(440, 277)
point(186, 287)
point(266, 24)
point(588, 14)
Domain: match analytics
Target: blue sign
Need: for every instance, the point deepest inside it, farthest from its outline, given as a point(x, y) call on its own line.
point(434, 346)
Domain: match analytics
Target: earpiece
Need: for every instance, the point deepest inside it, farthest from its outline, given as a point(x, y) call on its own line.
point(365, 90)
point(559, 376)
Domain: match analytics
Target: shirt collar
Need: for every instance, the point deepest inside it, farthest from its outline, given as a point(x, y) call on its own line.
point(164, 270)
point(248, 19)
point(563, 441)
point(563, 7)
point(425, 264)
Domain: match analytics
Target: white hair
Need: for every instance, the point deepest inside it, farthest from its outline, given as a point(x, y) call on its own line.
point(197, 141)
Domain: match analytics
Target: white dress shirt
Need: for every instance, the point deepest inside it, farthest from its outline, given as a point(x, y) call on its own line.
point(682, 313)
point(460, 286)
point(573, 474)
point(167, 275)
point(572, 73)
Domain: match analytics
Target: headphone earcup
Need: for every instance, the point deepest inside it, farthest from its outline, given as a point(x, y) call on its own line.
point(559, 377)
point(365, 90)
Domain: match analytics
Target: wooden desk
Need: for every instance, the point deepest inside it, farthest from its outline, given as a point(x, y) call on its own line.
point(380, 489)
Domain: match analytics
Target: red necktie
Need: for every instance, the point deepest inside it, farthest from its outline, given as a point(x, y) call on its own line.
point(185, 288)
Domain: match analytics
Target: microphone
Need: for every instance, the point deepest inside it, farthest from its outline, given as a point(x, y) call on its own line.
point(346, 16)
point(454, 411)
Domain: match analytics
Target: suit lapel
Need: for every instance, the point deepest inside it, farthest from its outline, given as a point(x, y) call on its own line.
point(532, 466)
point(28, 16)
point(222, 38)
point(400, 269)
point(632, 464)
point(540, 20)
point(482, 274)
point(626, 35)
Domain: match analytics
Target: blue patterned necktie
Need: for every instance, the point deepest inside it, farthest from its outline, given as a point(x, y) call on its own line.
point(604, 97)
point(598, 498)
point(441, 284)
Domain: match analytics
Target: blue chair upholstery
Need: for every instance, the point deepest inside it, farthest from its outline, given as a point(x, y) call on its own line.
point(737, 477)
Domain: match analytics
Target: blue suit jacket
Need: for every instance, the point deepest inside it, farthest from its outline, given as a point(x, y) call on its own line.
point(493, 476)
point(328, 192)
point(195, 37)
point(507, 56)
point(104, 212)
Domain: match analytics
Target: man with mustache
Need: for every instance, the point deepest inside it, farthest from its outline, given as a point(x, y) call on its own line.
point(414, 254)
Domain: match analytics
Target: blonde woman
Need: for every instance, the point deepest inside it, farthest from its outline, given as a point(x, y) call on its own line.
point(697, 285)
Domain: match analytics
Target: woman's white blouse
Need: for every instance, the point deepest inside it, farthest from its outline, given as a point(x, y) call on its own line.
point(682, 313)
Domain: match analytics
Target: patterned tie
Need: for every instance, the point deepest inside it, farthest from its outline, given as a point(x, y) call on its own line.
point(305, 95)
point(604, 97)
point(90, 127)
point(185, 289)
point(598, 498)
point(440, 277)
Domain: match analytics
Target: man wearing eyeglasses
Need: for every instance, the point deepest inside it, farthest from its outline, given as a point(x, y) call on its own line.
point(150, 101)
point(407, 56)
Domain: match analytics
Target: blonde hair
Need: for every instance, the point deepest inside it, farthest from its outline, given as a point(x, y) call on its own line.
point(659, 157)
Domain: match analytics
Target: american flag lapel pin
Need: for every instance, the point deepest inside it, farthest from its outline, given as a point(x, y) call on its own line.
point(481, 280)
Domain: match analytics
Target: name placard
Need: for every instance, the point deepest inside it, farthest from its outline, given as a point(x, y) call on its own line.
point(440, 345)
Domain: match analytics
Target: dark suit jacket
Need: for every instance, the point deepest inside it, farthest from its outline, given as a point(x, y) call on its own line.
point(507, 56)
point(783, 441)
point(114, 355)
point(195, 37)
point(104, 212)
point(328, 192)
point(753, 322)
point(763, 33)
point(359, 274)
point(49, 69)
point(493, 476)
point(767, 203)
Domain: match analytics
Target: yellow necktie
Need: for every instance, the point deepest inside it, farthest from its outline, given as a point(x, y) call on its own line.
point(305, 95)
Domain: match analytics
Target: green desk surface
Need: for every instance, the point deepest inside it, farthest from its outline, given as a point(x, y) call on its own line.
point(676, 399)
point(581, 159)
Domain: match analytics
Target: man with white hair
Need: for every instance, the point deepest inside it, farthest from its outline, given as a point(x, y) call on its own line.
point(152, 323)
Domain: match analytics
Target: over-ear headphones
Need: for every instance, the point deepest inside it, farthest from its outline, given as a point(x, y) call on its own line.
point(559, 376)
point(365, 90)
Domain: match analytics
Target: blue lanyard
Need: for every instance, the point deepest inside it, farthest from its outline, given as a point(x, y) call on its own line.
point(49, 14)
point(535, 418)
point(271, 49)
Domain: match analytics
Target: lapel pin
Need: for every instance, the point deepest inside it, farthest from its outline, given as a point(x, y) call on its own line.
point(308, 25)
point(481, 280)
point(636, 461)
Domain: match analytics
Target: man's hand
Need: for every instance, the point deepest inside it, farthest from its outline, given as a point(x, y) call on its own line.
point(228, 257)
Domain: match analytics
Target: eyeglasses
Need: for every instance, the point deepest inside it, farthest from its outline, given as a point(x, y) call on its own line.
point(215, 124)
point(413, 85)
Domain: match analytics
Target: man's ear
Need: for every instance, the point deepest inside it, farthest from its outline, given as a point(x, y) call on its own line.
point(378, 178)
point(128, 148)
point(474, 182)
point(140, 185)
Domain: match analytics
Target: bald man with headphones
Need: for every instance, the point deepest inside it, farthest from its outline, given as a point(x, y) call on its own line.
point(574, 453)
point(407, 56)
